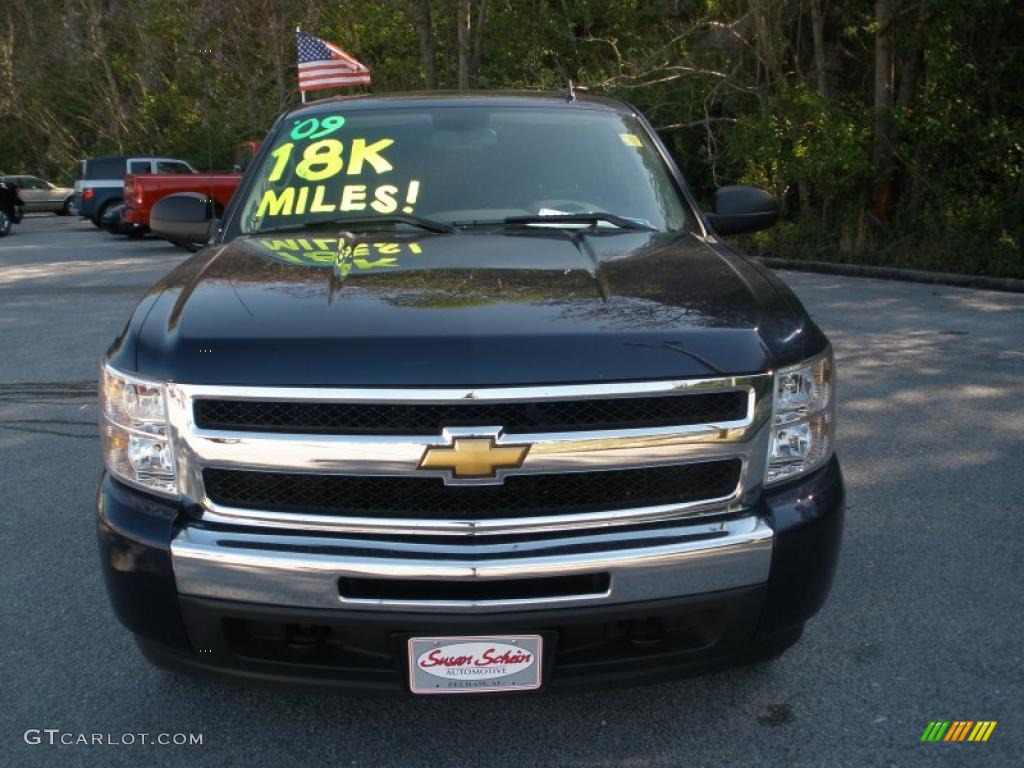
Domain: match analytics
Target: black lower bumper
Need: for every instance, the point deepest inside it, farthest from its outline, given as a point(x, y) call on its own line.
point(365, 650)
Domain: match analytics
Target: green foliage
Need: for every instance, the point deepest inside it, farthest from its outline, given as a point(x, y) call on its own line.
point(191, 78)
point(800, 137)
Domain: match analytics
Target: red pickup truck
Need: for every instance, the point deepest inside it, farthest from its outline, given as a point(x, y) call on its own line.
point(141, 190)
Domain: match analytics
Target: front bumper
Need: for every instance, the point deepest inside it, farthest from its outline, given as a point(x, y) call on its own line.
point(680, 597)
point(339, 574)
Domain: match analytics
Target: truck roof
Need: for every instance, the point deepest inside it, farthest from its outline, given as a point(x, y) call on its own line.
point(129, 157)
point(414, 100)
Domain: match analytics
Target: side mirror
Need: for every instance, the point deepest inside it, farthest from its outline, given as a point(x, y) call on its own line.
point(186, 217)
point(738, 209)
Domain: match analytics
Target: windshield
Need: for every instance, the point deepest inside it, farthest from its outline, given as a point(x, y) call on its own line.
point(460, 165)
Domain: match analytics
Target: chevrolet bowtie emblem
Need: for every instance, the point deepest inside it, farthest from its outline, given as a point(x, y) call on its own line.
point(474, 457)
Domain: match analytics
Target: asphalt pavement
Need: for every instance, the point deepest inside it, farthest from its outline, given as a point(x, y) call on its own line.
point(925, 621)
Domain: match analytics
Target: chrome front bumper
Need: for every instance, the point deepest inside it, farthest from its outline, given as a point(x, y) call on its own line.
point(304, 571)
point(642, 553)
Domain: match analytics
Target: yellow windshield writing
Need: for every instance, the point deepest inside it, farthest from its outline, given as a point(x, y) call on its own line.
point(313, 169)
point(305, 199)
point(336, 252)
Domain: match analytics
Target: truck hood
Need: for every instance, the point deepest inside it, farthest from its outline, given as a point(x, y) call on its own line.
point(469, 309)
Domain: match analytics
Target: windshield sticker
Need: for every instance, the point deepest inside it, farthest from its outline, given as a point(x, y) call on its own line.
point(336, 252)
point(310, 168)
point(631, 140)
point(317, 128)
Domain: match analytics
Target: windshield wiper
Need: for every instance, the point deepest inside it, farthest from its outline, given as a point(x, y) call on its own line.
point(413, 221)
point(581, 218)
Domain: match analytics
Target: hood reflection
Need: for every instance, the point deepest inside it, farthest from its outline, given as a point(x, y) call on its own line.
point(469, 308)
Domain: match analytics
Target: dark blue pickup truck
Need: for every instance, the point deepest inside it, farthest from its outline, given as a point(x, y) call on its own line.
point(101, 183)
point(465, 394)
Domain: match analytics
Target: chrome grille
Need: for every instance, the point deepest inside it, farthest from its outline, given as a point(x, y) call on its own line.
point(344, 460)
point(317, 418)
point(430, 498)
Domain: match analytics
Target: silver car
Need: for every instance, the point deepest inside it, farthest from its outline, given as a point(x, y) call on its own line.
point(41, 195)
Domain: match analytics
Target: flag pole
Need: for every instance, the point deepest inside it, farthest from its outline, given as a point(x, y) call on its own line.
point(302, 93)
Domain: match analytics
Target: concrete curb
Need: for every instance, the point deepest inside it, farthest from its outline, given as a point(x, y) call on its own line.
point(892, 273)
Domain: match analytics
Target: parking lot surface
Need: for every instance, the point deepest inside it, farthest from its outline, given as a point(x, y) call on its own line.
point(925, 621)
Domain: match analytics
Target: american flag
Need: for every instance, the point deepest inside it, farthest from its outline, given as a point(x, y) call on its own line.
point(325, 65)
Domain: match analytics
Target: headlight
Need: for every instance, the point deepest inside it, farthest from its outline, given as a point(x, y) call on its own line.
point(136, 439)
point(803, 419)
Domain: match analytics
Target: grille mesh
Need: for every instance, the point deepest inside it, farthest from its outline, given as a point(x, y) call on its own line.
point(430, 498)
point(429, 419)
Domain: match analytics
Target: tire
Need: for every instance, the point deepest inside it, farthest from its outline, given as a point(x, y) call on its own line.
point(98, 218)
point(64, 210)
point(5, 223)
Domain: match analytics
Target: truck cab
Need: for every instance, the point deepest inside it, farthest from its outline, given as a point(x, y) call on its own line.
point(142, 191)
point(466, 394)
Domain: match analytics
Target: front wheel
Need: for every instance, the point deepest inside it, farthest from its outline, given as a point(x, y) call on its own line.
point(5, 222)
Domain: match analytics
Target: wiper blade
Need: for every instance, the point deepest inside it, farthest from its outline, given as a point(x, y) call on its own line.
point(581, 218)
point(413, 221)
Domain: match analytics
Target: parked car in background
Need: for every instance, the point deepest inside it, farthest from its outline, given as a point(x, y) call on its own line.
point(141, 191)
point(101, 184)
point(244, 153)
point(40, 195)
point(11, 207)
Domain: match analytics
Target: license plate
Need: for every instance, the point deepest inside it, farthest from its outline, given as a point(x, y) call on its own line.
point(474, 664)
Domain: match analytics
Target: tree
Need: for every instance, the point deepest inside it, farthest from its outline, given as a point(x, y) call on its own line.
point(893, 132)
point(882, 147)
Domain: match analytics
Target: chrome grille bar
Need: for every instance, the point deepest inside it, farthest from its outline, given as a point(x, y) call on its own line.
point(399, 455)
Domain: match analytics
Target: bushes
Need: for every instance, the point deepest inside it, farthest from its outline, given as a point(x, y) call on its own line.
point(778, 93)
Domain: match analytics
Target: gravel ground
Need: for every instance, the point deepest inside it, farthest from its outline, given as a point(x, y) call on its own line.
point(924, 622)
